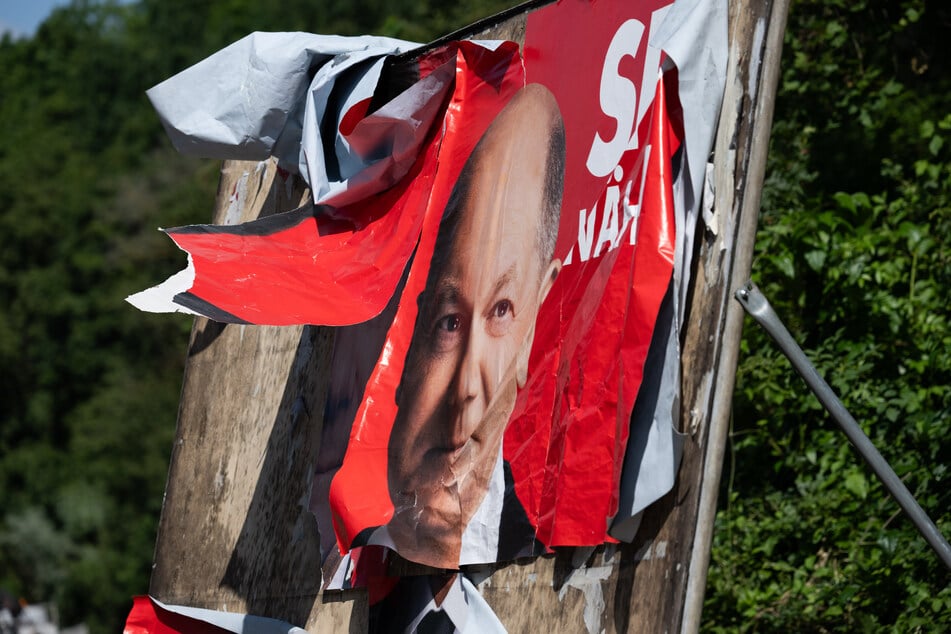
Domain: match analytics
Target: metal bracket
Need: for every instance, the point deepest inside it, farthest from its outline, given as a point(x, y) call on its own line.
point(759, 308)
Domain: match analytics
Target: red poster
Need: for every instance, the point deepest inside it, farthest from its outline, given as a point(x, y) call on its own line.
point(495, 421)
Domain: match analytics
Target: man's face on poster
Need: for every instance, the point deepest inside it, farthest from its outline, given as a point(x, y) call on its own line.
point(469, 353)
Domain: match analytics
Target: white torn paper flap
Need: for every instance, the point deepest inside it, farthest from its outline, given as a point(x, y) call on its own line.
point(280, 94)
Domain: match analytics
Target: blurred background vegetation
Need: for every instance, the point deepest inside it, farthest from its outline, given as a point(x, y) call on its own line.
point(852, 251)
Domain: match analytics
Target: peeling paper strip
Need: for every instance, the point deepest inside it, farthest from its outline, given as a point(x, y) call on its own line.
point(151, 616)
point(159, 299)
point(694, 35)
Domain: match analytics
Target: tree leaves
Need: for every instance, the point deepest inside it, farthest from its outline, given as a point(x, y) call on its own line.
point(852, 253)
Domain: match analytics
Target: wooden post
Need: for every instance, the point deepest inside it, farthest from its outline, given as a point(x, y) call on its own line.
point(235, 532)
point(756, 41)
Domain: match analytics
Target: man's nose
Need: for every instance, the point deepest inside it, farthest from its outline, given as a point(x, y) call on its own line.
point(470, 388)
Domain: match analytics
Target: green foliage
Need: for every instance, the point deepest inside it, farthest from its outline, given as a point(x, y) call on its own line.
point(852, 253)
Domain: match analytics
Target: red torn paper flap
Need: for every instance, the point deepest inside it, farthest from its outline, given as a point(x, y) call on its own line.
point(148, 617)
point(151, 616)
point(312, 265)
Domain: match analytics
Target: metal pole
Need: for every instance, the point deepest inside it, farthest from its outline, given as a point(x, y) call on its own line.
point(758, 307)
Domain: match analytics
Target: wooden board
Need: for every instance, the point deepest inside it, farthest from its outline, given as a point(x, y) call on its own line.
point(235, 533)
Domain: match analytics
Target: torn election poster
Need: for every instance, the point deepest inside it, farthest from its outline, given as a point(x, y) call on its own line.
point(520, 269)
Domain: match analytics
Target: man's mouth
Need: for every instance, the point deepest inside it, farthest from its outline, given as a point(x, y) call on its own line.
point(450, 452)
point(461, 459)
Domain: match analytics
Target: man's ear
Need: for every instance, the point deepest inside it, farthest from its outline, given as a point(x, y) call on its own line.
point(548, 279)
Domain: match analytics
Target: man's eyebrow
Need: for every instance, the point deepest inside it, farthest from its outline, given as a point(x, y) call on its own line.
point(504, 280)
point(448, 292)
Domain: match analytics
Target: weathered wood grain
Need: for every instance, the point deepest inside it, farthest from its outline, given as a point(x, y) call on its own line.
point(235, 533)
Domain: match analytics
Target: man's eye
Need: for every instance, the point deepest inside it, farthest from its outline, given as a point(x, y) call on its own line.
point(501, 309)
point(447, 333)
point(501, 318)
point(449, 323)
